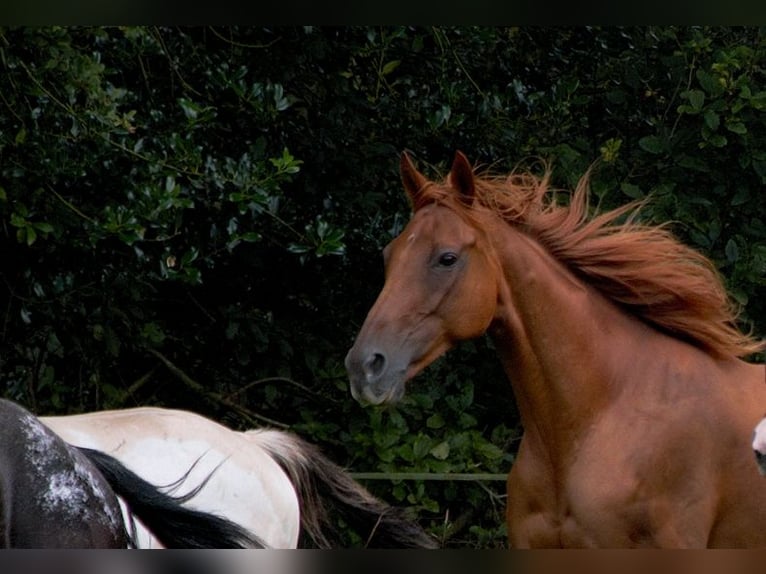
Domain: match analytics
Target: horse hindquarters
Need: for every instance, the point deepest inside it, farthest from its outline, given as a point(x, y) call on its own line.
point(26, 523)
point(174, 525)
point(52, 497)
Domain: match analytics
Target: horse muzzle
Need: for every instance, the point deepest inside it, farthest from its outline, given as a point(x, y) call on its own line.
point(374, 379)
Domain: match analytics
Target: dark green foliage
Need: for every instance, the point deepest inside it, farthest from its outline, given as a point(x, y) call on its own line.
point(193, 217)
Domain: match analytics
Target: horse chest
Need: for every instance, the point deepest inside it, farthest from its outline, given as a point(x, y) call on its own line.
point(540, 511)
point(598, 502)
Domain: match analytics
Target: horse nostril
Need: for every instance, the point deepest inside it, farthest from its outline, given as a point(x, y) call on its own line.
point(374, 366)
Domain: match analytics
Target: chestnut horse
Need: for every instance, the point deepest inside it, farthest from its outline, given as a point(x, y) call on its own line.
point(621, 347)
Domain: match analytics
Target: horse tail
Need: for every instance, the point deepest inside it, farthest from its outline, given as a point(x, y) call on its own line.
point(172, 523)
point(326, 491)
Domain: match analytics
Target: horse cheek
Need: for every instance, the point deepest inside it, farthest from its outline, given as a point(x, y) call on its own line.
point(477, 302)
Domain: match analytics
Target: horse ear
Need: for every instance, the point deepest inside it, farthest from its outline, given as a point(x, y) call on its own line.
point(414, 182)
point(461, 177)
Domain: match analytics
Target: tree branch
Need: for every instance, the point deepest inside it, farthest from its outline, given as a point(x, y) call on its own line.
point(215, 398)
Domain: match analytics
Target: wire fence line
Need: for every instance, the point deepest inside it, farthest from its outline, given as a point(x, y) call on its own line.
point(469, 476)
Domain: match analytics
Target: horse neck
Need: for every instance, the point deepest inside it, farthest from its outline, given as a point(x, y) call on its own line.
point(560, 340)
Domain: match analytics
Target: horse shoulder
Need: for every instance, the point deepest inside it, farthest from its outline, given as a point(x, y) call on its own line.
point(646, 490)
point(673, 468)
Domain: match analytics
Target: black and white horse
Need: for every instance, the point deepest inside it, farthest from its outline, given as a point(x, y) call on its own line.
point(54, 495)
point(275, 484)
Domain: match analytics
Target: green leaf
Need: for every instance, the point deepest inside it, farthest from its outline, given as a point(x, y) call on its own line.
point(467, 420)
point(741, 197)
point(708, 82)
point(31, 234)
point(421, 446)
point(758, 101)
point(386, 454)
point(43, 227)
point(711, 119)
point(430, 505)
point(250, 237)
point(693, 162)
point(736, 127)
point(189, 256)
point(740, 296)
point(490, 451)
point(281, 102)
point(390, 67)
point(759, 166)
point(732, 251)
point(696, 98)
point(405, 453)
point(631, 190)
point(153, 333)
point(652, 144)
point(190, 109)
point(298, 248)
point(435, 421)
point(441, 450)
point(717, 140)
point(397, 421)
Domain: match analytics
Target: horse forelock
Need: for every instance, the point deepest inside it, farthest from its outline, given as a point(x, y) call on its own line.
point(641, 267)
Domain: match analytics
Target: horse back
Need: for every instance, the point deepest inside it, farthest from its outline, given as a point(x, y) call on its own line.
point(172, 446)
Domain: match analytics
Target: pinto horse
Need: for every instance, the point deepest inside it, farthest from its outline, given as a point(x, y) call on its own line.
point(273, 483)
point(621, 348)
point(54, 495)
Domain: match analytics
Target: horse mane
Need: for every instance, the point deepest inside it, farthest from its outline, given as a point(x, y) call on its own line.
point(641, 267)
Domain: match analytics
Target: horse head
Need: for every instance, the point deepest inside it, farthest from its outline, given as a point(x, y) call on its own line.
point(440, 286)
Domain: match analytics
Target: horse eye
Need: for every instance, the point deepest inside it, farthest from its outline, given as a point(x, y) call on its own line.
point(447, 259)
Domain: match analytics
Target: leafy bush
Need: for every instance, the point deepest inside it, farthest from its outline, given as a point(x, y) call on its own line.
point(192, 217)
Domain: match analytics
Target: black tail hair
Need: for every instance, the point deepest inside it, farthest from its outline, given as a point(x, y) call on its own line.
point(326, 491)
point(172, 523)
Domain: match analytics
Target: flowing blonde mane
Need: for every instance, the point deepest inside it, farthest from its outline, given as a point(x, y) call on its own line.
point(643, 268)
